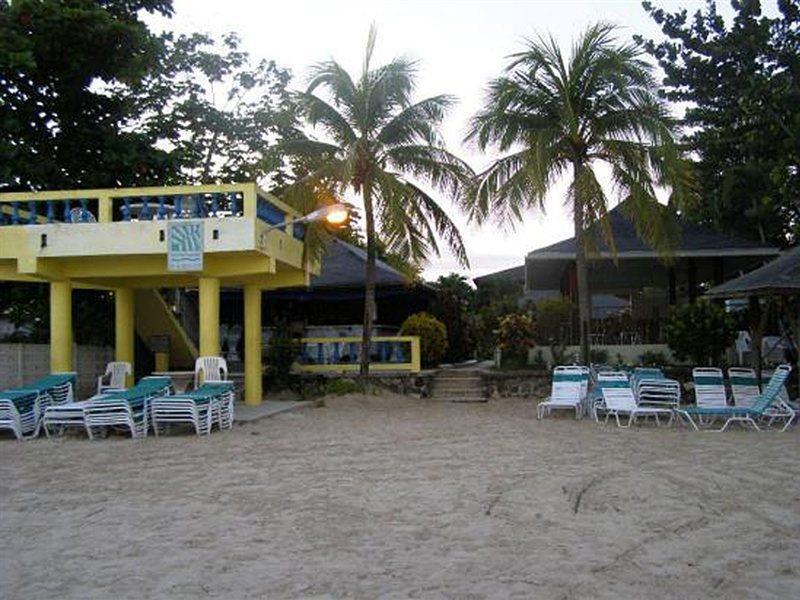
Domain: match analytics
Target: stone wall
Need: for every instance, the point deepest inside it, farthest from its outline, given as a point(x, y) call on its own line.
point(414, 384)
point(23, 363)
point(527, 383)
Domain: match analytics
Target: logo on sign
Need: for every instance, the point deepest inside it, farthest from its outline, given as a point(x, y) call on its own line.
point(185, 245)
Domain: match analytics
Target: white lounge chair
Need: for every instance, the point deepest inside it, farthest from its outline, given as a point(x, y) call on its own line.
point(665, 393)
point(709, 387)
point(744, 386)
point(114, 377)
point(618, 399)
point(568, 391)
point(209, 369)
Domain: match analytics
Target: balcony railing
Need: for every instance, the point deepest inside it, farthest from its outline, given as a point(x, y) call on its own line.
point(343, 354)
point(147, 204)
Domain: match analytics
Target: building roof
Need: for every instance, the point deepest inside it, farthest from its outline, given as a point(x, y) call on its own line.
point(512, 274)
point(696, 240)
point(778, 277)
point(343, 266)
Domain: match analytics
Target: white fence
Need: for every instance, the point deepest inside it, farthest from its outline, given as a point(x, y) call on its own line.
point(23, 363)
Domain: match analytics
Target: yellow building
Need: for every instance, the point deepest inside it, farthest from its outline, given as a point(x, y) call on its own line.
point(137, 241)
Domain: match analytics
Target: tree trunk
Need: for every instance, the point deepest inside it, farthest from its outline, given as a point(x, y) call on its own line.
point(369, 287)
point(584, 298)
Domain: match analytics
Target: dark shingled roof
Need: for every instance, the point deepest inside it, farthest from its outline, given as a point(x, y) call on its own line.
point(780, 276)
point(512, 274)
point(694, 239)
point(343, 266)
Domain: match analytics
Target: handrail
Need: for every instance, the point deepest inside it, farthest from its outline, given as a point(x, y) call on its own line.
point(245, 198)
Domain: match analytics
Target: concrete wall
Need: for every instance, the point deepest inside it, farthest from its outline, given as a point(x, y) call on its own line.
point(23, 363)
point(629, 353)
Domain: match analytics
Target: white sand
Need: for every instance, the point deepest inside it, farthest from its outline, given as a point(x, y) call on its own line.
point(396, 497)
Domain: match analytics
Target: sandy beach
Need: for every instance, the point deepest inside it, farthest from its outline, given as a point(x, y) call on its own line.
point(403, 498)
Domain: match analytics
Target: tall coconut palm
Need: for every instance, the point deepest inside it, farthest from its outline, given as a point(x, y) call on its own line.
point(552, 116)
point(386, 149)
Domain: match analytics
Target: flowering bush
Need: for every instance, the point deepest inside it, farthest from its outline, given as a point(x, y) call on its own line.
point(516, 338)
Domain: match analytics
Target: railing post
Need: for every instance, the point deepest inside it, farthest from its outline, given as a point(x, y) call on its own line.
point(104, 209)
point(416, 359)
point(249, 209)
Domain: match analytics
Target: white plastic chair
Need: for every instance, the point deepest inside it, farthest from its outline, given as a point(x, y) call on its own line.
point(209, 369)
point(621, 401)
point(116, 374)
point(709, 387)
point(744, 386)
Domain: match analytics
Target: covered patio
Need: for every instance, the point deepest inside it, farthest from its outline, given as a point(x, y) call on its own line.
point(152, 239)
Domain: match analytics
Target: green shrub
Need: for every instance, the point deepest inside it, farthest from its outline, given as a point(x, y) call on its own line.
point(432, 336)
point(551, 316)
point(653, 359)
point(515, 339)
point(598, 356)
point(700, 331)
point(340, 387)
point(280, 355)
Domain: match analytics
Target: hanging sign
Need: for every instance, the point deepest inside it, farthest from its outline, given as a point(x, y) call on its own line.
point(185, 245)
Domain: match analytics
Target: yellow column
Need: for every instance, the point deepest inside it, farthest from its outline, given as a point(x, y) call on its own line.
point(252, 345)
point(209, 316)
point(61, 326)
point(124, 326)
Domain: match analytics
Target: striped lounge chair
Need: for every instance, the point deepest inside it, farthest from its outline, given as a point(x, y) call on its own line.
point(767, 406)
point(568, 392)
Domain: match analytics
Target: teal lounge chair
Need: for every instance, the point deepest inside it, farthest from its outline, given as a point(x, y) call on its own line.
point(761, 408)
point(125, 408)
point(211, 402)
point(21, 408)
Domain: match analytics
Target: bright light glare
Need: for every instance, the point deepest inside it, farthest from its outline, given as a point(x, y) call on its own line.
point(337, 215)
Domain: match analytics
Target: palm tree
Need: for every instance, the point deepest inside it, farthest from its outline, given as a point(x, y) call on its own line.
point(551, 116)
point(385, 148)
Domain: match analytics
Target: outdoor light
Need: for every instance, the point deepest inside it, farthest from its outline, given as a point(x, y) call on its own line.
point(334, 214)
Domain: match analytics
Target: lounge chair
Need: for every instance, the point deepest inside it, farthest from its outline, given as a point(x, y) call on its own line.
point(709, 387)
point(568, 391)
point(659, 392)
point(744, 386)
point(114, 377)
point(127, 408)
point(762, 408)
point(618, 399)
point(595, 400)
point(21, 408)
point(210, 402)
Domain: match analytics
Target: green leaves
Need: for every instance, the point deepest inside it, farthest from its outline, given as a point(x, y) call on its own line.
point(555, 113)
point(374, 140)
point(700, 331)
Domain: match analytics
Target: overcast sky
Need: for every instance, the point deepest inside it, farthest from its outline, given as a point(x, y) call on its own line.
point(461, 46)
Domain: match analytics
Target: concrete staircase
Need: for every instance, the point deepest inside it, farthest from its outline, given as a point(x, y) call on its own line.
point(459, 385)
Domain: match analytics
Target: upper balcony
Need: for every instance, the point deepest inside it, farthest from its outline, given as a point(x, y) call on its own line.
point(112, 237)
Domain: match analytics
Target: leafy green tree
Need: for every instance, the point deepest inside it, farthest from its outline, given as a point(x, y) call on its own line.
point(553, 116)
point(219, 113)
point(454, 305)
point(701, 331)
point(65, 68)
point(384, 147)
point(432, 337)
point(740, 82)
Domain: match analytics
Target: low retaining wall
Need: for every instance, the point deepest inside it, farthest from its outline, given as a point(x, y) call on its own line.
point(23, 363)
point(525, 383)
point(415, 384)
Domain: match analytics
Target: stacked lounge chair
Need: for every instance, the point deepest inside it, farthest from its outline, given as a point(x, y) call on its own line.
point(128, 408)
point(618, 400)
point(21, 408)
point(211, 402)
